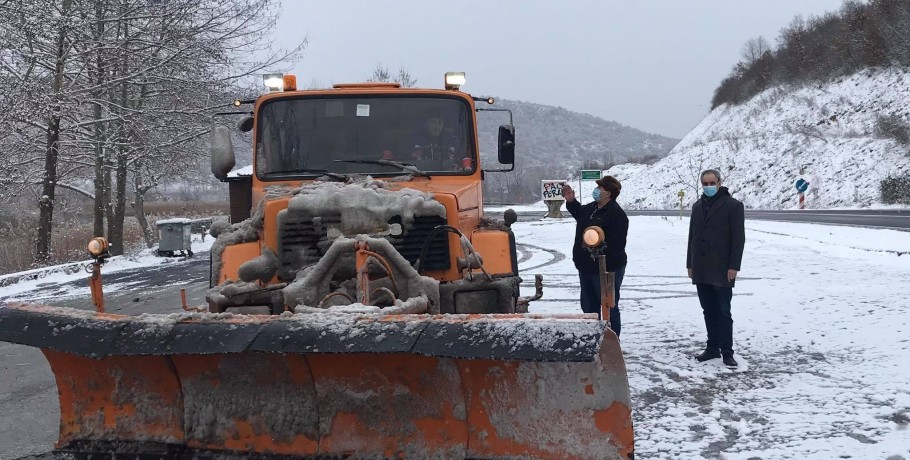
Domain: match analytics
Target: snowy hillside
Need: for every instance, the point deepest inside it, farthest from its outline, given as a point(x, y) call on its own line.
point(824, 133)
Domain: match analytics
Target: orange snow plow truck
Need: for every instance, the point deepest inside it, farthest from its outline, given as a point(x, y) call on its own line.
point(364, 308)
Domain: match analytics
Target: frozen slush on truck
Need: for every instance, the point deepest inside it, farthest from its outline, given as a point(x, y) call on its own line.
point(361, 305)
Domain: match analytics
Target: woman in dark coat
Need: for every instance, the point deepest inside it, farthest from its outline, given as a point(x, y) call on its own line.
point(605, 213)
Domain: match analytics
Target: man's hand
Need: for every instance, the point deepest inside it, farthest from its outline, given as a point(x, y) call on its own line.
point(568, 193)
point(690, 273)
point(731, 275)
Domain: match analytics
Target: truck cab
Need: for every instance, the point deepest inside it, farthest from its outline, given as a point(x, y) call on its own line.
point(310, 149)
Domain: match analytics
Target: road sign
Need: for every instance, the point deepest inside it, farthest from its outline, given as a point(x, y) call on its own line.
point(591, 174)
point(802, 185)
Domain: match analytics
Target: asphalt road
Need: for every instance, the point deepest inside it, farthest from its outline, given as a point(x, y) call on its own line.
point(896, 219)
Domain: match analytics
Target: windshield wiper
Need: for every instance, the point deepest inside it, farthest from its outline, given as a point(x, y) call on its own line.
point(409, 168)
point(324, 172)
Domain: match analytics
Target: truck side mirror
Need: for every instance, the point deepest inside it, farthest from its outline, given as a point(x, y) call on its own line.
point(245, 124)
point(222, 152)
point(507, 144)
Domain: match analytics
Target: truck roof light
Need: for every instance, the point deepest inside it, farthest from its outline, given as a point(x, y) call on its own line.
point(454, 80)
point(290, 82)
point(273, 81)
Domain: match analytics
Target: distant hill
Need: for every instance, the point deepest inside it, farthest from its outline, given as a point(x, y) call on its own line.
point(844, 136)
point(546, 133)
point(554, 143)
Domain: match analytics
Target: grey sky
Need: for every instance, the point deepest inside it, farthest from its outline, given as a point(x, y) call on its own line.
point(652, 65)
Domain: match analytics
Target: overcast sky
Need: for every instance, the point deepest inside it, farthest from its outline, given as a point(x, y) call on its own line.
point(652, 65)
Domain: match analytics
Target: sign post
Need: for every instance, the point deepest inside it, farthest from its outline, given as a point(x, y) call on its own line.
point(801, 186)
point(588, 174)
point(551, 192)
point(681, 194)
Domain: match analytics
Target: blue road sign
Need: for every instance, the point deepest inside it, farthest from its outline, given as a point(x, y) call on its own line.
point(802, 185)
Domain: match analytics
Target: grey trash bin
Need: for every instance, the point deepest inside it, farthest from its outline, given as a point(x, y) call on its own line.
point(174, 235)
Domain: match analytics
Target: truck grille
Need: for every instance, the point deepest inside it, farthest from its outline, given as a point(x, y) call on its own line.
point(411, 242)
point(299, 238)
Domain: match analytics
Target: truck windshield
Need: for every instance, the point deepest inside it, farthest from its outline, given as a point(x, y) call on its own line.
point(307, 137)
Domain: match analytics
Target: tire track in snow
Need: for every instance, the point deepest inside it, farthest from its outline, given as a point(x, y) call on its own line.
point(531, 249)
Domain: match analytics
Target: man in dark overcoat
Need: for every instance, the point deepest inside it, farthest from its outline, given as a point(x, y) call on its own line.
point(716, 239)
point(607, 214)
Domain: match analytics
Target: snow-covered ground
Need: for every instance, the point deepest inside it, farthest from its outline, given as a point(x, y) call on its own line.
point(823, 133)
point(822, 323)
point(822, 330)
point(21, 283)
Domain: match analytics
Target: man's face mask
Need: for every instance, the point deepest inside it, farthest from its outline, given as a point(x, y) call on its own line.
point(710, 183)
point(596, 194)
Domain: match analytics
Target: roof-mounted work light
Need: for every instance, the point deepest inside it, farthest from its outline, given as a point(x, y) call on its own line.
point(273, 81)
point(454, 80)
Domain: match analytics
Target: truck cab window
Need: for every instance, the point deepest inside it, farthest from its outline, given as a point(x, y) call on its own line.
point(306, 135)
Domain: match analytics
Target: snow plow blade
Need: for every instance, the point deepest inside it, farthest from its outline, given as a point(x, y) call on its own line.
point(333, 385)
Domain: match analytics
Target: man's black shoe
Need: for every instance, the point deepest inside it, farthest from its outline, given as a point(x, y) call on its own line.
point(729, 361)
point(707, 354)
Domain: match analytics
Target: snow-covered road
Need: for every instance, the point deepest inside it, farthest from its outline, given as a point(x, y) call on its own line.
point(822, 324)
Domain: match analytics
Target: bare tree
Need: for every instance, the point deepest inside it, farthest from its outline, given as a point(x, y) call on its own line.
point(126, 89)
point(689, 176)
point(37, 48)
point(405, 78)
point(167, 105)
point(382, 74)
point(754, 49)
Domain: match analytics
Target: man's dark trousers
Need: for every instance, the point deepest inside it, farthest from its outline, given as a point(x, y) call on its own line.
point(590, 296)
point(715, 303)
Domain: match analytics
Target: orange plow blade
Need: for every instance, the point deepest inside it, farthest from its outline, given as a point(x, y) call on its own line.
point(334, 386)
